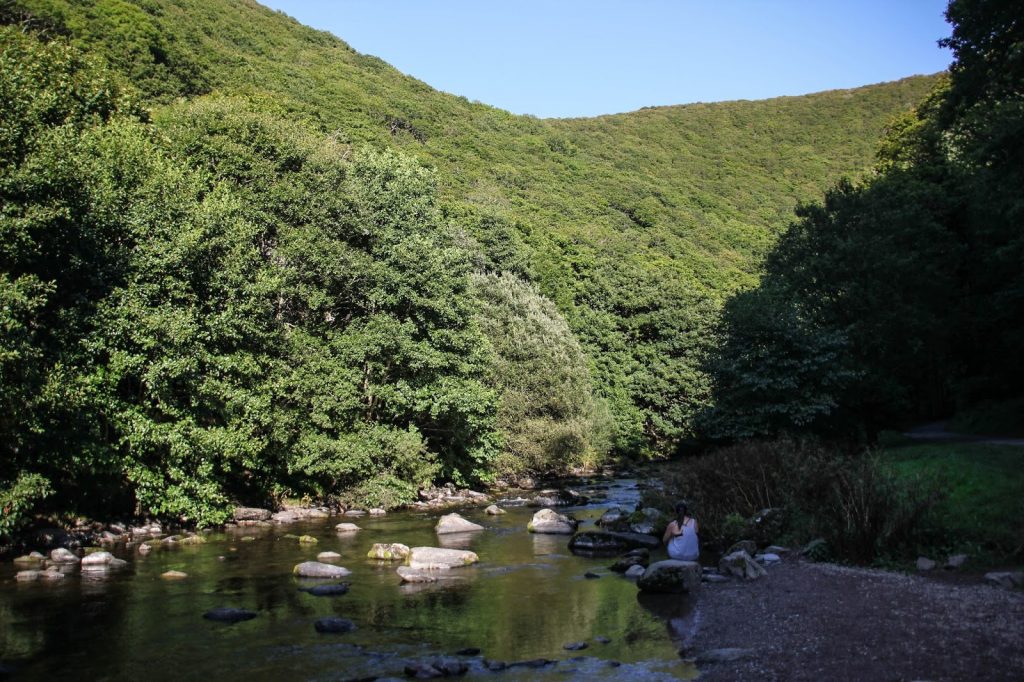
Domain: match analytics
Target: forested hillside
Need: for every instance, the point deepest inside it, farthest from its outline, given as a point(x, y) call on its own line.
point(241, 260)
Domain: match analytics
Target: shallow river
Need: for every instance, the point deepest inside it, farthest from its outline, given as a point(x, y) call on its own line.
point(525, 599)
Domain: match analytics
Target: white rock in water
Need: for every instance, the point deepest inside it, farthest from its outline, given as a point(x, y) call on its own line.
point(411, 575)
point(550, 522)
point(63, 556)
point(316, 569)
point(346, 528)
point(102, 561)
point(453, 523)
point(439, 559)
point(328, 556)
point(494, 510)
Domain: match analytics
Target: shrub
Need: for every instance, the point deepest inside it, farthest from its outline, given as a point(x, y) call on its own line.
point(849, 498)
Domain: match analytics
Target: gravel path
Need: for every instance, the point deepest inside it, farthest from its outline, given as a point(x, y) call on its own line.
point(808, 621)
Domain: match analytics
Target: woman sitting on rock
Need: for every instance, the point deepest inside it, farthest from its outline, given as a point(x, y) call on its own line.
point(681, 536)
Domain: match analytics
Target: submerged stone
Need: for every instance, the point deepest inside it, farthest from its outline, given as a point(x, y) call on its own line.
point(334, 625)
point(227, 614)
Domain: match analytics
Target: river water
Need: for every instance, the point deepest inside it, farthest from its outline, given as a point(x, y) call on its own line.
point(525, 599)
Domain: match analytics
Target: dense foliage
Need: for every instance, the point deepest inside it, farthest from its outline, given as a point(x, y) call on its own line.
point(900, 297)
point(635, 225)
point(240, 261)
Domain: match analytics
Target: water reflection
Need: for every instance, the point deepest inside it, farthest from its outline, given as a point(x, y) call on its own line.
point(680, 612)
point(524, 601)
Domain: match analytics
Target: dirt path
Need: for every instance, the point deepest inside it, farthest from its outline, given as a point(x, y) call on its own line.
point(809, 621)
point(937, 432)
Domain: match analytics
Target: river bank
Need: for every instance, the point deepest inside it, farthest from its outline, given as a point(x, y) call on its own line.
point(809, 621)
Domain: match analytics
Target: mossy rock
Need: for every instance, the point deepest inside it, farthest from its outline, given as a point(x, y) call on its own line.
point(192, 540)
point(308, 540)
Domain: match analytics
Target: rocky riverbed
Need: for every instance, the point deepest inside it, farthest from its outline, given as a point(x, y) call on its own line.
point(420, 593)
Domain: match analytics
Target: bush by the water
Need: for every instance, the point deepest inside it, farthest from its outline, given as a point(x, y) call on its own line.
point(850, 498)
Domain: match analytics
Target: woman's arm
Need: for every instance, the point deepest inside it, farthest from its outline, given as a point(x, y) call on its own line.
point(670, 532)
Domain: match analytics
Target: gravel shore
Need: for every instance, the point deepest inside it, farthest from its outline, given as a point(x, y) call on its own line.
point(807, 621)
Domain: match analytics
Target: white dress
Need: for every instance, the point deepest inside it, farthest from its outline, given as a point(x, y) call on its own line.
point(684, 547)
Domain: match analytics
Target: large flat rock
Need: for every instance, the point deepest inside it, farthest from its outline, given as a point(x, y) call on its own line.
point(594, 543)
point(439, 559)
point(671, 576)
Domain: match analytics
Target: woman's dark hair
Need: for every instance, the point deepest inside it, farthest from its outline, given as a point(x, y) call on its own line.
point(681, 509)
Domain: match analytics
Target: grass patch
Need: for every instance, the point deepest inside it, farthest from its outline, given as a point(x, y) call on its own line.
point(982, 511)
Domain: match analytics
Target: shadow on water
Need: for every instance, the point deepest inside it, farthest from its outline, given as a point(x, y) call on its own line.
point(525, 600)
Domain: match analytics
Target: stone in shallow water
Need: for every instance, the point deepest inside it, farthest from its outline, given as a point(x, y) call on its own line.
point(347, 528)
point(439, 559)
point(453, 523)
point(670, 576)
point(494, 510)
point(635, 571)
point(590, 575)
point(227, 614)
point(64, 556)
point(328, 556)
point(594, 543)
point(575, 646)
point(393, 551)
point(548, 521)
point(327, 590)
point(102, 561)
point(334, 625)
point(307, 540)
point(316, 569)
point(601, 639)
point(173, 575)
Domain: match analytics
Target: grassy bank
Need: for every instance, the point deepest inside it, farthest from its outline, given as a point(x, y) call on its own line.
point(981, 511)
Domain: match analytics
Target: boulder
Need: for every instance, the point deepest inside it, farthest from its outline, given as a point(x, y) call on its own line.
point(634, 572)
point(613, 519)
point(334, 625)
point(740, 565)
point(595, 543)
point(494, 510)
point(347, 528)
point(439, 559)
point(671, 576)
point(648, 521)
point(392, 551)
point(453, 523)
point(33, 559)
point(64, 556)
point(748, 546)
point(549, 522)
point(102, 561)
point(328, 556)
point(924, 563)
point(226, 614)
point(251, 514)
point(956, 561)
point(316, 569)
point(1005, 579)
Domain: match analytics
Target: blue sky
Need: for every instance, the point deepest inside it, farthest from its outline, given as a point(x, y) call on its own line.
point(588, 57)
